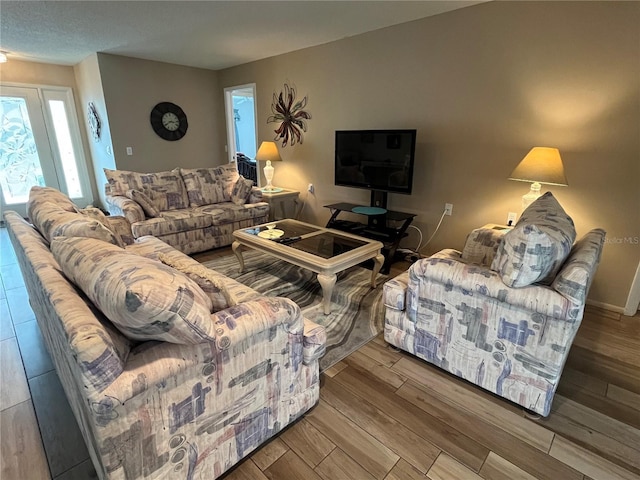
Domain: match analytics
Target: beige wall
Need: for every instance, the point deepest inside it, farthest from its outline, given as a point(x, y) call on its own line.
point(87, 75)
point(482, 85)
point(44, 74)
point(132, 87)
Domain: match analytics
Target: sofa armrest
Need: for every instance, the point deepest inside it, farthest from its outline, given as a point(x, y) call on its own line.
point(273, 322)
point(244, 322)
point(121, 205)
point(255, 196)
point(447, 268)
point(394, 292)
point(314, 343)
point(575, 276)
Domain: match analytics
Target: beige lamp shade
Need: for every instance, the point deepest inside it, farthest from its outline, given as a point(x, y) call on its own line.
point(541, 165)
point(268, 152)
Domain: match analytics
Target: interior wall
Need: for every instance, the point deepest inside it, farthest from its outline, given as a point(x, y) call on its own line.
point(482, 85)
point(132, 87)
point(44, 74)
point(87, 75)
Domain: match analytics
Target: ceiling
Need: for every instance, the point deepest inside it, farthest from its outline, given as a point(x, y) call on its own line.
point(205, 34)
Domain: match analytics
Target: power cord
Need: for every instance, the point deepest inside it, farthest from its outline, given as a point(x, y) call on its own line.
point(414, 255)
point(444, 212)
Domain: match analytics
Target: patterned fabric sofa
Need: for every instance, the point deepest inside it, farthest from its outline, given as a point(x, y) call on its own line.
point(172, 370)
point(192, 210)
point(504, 312)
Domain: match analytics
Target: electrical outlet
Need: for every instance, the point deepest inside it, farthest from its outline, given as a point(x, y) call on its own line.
point(129, 150)
point(448, 208)
point(311, 188)
point(511, 218)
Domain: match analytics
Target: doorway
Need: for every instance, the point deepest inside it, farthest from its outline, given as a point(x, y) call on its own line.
point(240, 108)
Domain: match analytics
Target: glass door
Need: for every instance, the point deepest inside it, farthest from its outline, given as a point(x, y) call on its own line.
point(25, 155)
point(39, 145)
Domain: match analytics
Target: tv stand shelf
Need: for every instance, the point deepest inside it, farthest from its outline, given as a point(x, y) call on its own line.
point(388, 228)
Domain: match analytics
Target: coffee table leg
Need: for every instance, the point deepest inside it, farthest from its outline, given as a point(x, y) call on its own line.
point(378, 261)
point(326, 282)
point(237, 250)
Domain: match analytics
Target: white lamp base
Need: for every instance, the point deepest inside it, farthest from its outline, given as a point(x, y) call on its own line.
point(531, 196)
point(268, 174)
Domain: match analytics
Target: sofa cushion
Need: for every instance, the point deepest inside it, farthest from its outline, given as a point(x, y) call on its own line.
point(241, 190)
point(536, 248)
point(229, 212)
point(206, 186)
point(51, 220)
point(172, 221)
point(144, 201)
point(165, 189)
point(481, 245)
point(145, 299)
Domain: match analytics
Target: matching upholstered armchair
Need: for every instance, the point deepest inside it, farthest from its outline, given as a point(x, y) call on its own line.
point(504, 312)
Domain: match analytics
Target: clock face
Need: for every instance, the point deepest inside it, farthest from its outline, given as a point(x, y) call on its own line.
point(169, 121)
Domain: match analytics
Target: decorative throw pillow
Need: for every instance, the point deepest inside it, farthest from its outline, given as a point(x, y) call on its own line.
point(53, 221)
point(536, 248)
point(97, 215)
point(210, 281)
point(143, 298)
point(481, 245)
point(144, 201)
point(241, 190)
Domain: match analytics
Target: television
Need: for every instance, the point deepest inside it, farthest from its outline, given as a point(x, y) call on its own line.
point(377, 160)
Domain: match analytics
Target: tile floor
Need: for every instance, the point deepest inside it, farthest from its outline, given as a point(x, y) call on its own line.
point(40, 436)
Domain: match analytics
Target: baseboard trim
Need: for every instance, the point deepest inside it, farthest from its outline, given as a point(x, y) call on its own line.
point(605, 306)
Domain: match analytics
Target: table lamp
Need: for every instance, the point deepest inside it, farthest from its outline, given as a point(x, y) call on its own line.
point(268, 152)
point(540, 165)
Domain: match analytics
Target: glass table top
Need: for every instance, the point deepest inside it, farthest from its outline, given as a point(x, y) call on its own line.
point(307, 238)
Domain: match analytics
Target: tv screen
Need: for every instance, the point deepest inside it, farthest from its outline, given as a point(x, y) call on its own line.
point(375, 159)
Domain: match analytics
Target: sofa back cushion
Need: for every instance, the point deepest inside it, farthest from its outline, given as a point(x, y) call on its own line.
point(52, 221)
point(536, 248)
point(144, 299)
point(166, 190)
point(39, 195)
point(206, 186)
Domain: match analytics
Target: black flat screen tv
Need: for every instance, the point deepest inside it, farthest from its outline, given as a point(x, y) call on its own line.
point(377, 160)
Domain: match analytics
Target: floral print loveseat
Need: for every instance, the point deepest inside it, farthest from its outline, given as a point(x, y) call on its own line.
point(172, 370)
point(502, 313)
point(192, 210)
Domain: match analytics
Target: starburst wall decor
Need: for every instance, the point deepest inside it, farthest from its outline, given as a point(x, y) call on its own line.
point(291, 115)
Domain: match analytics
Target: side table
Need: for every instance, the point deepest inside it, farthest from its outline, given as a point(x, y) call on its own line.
point(278, 202)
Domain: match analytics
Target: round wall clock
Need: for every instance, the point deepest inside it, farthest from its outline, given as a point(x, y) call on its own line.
point(169, 121)
point(94, 121)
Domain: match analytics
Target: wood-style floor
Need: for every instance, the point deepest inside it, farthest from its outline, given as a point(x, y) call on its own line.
point(383, 414)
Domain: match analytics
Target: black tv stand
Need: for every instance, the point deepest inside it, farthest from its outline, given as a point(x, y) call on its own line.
point(389, 227)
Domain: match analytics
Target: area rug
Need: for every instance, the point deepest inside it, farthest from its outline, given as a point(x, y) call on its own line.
point(357, 314)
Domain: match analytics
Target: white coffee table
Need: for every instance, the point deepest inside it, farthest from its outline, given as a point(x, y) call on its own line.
point(322, 250)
